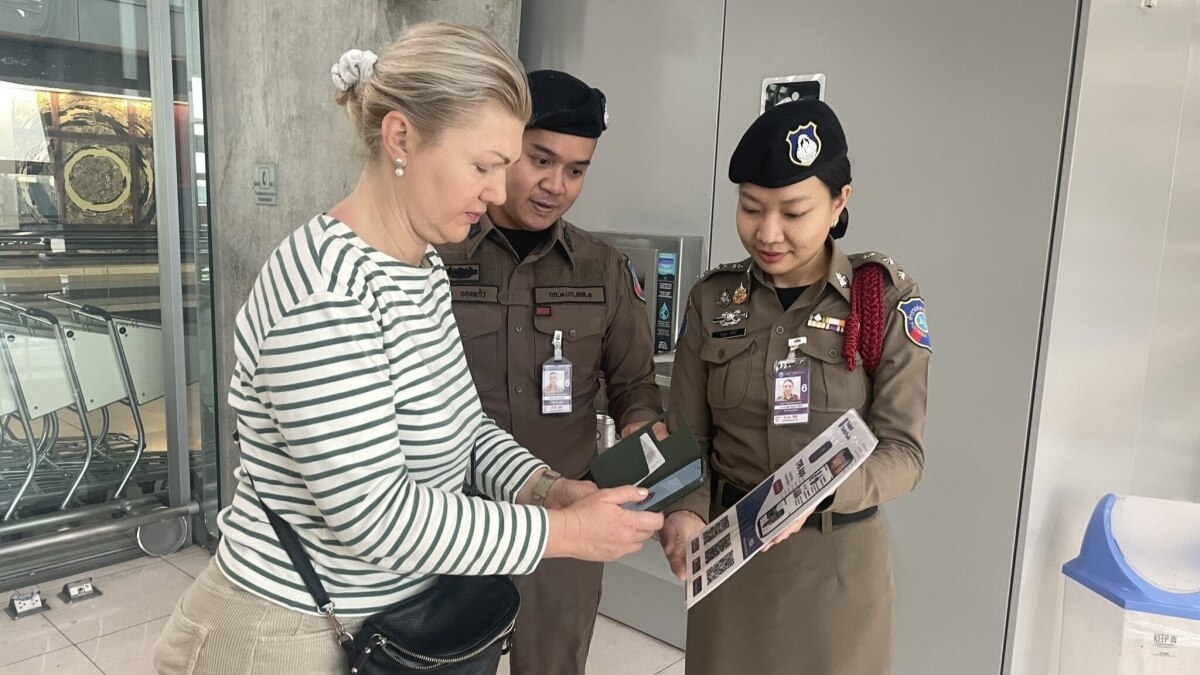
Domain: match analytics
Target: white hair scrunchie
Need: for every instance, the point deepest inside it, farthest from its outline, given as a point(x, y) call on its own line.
point(354, 67)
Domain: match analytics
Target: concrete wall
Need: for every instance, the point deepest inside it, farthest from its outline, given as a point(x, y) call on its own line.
point(269, 99)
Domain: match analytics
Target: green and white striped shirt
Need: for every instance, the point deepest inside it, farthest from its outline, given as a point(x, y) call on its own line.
point(357, 417)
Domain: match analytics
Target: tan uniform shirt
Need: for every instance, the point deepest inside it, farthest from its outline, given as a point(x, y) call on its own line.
point(507, 311)
point(722, 381)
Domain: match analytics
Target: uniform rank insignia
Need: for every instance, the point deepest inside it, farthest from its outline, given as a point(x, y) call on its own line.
point(842, 280)
point(724, 300)
point(804, 144)
point(740, 295)
point(637, 285)
point(462, 272)
point(915, 322)
point(733, 318)
point(827, 323)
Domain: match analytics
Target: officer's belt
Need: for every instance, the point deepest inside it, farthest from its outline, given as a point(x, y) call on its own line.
point(729, 494)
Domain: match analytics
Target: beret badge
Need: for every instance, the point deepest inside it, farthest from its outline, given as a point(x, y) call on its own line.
point(804, 145)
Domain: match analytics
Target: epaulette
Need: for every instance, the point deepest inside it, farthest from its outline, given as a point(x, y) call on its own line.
point(739, 267)
point(899, 277)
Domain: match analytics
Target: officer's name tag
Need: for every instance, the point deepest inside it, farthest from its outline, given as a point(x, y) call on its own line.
point(474, 293)
point(557, 294)
point(791, 392)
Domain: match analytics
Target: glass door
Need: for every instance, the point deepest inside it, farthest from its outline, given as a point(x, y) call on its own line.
point(107, 431)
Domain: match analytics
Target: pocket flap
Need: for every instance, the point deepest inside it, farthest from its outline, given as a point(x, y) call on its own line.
point(723, 351)
point(575, 321)
point(824, 345)
point(476, 319)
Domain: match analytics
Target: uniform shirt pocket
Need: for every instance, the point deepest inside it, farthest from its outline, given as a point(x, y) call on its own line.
point(479, 324)
point(730, 363)
point(582, 327)
point(835, 389)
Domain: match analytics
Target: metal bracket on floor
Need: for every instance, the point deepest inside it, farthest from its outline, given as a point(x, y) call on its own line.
point(77, 591)
point(21, 605)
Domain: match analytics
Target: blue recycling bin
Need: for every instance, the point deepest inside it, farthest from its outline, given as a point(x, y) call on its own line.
point(1131, 602)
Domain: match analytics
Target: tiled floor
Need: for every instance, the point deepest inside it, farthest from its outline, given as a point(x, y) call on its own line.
point(114, 634)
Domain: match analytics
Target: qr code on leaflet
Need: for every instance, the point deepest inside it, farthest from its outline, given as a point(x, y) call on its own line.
point(718, 528)
point(718, 569)
point(717, 549)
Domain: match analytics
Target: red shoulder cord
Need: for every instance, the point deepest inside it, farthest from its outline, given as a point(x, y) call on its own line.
point(864, 326)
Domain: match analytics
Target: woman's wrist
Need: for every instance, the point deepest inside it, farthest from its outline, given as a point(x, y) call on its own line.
point(562, 534)
point(525, 494)
point(543, 485)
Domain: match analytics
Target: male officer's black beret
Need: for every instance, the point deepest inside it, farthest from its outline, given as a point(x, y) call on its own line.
point(787, 144)
point(564, 104)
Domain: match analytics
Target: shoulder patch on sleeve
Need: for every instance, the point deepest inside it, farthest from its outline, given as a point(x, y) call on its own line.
point(633, 279)
point(916, 324)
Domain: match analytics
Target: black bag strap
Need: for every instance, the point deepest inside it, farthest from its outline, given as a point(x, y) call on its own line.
point(292, 546)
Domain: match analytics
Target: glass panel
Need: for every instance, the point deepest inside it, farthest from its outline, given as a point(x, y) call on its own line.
point(83, 436)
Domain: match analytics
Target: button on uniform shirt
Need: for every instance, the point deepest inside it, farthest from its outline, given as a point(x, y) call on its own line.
point(722, 380)
point(508, 310)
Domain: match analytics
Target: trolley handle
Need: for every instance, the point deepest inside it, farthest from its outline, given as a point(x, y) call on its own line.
point(89, 311)
point(42, 315)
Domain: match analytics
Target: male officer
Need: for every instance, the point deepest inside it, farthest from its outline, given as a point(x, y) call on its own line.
point(540, 300)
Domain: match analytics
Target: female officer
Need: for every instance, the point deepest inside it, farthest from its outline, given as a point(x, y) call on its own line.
point(821, 602)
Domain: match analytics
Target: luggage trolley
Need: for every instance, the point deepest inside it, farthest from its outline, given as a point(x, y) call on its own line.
point(105, 373)
point(39, 374)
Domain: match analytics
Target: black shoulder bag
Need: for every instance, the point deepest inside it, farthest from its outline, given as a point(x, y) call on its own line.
point(461, 626)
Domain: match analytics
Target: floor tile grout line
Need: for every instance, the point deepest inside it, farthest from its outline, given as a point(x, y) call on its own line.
point(55, 627)
point(91, 661)
point(136, 625)
point(672, 665)
point(52, 651)
point(180, 569)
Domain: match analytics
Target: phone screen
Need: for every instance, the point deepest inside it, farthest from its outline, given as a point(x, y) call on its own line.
point(670, 485)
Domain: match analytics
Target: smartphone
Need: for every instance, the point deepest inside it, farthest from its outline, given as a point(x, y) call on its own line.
point(677, 484)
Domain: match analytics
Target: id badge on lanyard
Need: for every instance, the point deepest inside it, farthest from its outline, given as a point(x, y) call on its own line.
point(556, 381)
point(791, 387)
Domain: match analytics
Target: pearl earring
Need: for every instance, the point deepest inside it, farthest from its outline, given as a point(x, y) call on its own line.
point(399, 166)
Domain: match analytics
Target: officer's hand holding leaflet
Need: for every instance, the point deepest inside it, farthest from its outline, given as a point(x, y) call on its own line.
point(680, 528)
point(683, 526)
point(790, 529)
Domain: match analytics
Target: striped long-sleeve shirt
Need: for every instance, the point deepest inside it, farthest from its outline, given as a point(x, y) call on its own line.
point(357, 418)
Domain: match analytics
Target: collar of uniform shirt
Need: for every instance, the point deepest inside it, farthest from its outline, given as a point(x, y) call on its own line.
point(487, 229)
point(839, 263)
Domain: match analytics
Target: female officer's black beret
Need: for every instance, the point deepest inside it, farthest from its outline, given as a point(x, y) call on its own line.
point(564, 104)
point(787, 144)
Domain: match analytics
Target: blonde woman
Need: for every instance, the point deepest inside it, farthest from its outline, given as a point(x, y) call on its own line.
point(357, 415)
